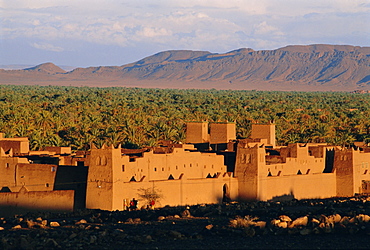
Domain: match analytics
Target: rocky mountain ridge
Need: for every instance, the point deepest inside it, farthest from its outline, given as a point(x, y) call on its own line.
point(296, 67)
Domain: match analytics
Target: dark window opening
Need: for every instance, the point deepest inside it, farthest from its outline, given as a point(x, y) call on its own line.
point(132, 178)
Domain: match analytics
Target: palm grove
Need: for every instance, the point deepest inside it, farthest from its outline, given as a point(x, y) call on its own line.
point(135, 117)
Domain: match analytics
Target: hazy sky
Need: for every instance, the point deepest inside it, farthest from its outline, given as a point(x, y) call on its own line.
point(112, 32)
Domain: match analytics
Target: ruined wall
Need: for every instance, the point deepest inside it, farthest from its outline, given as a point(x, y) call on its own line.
point(298, 186)
point(24, 201)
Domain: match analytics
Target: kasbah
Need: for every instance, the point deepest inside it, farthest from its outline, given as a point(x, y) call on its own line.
point(211, 167)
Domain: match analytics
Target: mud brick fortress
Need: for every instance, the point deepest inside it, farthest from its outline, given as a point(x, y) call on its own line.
point(211, 167)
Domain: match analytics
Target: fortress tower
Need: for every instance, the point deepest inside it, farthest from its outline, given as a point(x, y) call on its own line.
point(249, 162)
point(222, 132)
point(197, 132)
point(264, 131)
point(101, 191)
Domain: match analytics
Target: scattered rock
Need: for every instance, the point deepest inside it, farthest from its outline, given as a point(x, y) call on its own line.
point(82, 221)
point(54, 224)
point(285, 218)
point(185, 213)
point(299, 222)
point(160, 218)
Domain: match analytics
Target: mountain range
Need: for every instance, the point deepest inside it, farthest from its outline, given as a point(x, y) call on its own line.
point(317, 67)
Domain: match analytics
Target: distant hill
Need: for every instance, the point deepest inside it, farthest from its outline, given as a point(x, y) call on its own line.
point(48, 68)
point(24, 66)
point(296, 67)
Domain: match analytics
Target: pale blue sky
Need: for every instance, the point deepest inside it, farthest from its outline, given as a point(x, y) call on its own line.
point(112, 32)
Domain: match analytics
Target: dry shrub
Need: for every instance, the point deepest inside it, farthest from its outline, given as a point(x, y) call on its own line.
point(240, 222)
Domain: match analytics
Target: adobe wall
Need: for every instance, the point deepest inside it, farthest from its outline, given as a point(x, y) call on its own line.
point(18, 145)
point(23, 201)
point(178, 192)
point(7, 170)
point(260, 179)
point(343, 167)
point(247, 168)
point(100, 179)
point(222, 132)
point(197, 132)
point(361, 169)
point(293, 166)
point(299, 186)
point(160, 166)
point(36, 177)
point(58, 150)
point(264, 131)
point(111, 176)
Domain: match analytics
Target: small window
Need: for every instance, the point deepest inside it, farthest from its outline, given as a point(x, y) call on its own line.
point(98, 161)
point(103, 161)
point(53, 169)
point(123, 168)
point(7, 165)
point(47, 185)
point(244, 158)
point(155, 169)
point(162, 169)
